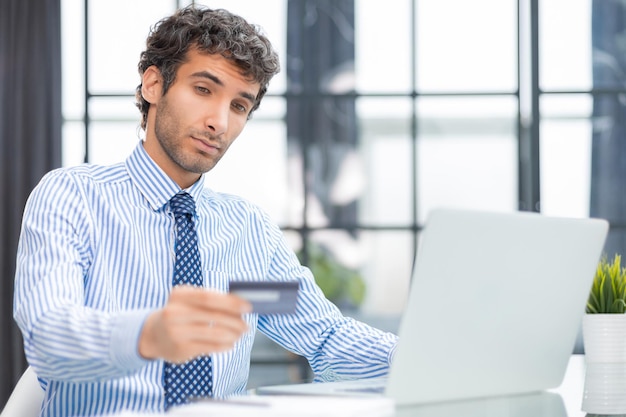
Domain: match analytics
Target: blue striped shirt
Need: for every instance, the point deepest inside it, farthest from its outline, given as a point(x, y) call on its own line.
point(96, 256)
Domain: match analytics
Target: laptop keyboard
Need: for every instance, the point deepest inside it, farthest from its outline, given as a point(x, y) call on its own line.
point(368, 390)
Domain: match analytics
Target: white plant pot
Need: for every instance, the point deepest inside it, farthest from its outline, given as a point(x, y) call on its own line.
point(604, 337)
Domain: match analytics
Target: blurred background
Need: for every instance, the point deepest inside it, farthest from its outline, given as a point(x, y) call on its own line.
point(382, 112)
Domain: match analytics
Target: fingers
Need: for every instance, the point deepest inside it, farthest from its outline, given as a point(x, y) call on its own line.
point(207, 309)
point(185, 325)
point(194, 322)
point(210, 300)
point(188, 342)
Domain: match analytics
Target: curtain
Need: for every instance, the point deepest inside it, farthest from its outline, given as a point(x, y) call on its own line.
point(608, 163)
point(30, 139)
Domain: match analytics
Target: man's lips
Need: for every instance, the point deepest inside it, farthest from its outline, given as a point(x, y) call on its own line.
point(206, 146)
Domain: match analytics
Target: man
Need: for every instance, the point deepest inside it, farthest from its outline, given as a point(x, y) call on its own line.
point(106, 326)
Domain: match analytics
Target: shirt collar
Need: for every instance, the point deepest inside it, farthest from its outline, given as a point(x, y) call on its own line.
point(152, 182)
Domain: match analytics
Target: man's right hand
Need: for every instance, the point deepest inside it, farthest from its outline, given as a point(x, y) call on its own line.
point(194, 322)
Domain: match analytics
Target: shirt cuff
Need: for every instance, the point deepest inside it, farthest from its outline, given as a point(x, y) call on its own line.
point(392, 352)
point(125, 333)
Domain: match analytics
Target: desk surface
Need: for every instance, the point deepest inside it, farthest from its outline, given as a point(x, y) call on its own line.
point(563, 401)
point(573, 386)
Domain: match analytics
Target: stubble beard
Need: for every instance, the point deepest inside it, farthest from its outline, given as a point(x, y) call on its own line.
point(170, 137)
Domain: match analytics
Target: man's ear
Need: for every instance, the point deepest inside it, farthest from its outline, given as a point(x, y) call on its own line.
point(151, 84)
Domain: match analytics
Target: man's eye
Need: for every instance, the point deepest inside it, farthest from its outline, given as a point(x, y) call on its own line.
point(203, 90)
point(239, 107)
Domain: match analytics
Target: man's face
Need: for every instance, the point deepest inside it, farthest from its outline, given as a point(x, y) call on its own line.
point(194, 123)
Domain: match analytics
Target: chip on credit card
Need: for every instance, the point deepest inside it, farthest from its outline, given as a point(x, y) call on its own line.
point(268, 297)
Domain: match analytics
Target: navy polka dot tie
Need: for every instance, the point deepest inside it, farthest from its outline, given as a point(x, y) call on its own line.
point(192, 379)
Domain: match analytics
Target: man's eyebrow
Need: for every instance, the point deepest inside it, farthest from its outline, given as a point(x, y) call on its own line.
point(247, 96)
point(208, 75)
point(216, 80)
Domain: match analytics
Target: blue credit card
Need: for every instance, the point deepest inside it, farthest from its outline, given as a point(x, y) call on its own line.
point(268, 297)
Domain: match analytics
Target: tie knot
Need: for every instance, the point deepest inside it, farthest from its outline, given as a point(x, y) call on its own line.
point(182, 203)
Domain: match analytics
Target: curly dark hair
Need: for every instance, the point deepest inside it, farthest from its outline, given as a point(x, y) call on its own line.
point(214, 31)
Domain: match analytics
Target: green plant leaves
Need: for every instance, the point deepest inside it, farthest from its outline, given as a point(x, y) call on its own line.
point(608, 291)
point(340, 284)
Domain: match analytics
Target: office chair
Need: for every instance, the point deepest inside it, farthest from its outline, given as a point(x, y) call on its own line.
point(26, 398)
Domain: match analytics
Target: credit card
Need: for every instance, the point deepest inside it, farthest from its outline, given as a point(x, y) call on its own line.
point(268, 297)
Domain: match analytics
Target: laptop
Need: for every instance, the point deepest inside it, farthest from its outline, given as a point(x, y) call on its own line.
point(495, 306)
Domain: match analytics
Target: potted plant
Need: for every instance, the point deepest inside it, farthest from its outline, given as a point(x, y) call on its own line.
point(604, 325)
point(604, 338)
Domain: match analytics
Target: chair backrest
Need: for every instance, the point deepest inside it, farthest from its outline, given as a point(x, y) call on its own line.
point(26, 398)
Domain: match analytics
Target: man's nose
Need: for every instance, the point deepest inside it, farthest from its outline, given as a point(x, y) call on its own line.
point(217, 119)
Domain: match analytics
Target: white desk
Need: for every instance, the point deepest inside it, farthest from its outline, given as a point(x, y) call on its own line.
point(573, 386)
point(564, 401)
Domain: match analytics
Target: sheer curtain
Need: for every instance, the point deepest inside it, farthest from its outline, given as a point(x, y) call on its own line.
point(30, 139)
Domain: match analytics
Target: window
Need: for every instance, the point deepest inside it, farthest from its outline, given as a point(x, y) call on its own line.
point(430, 103)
